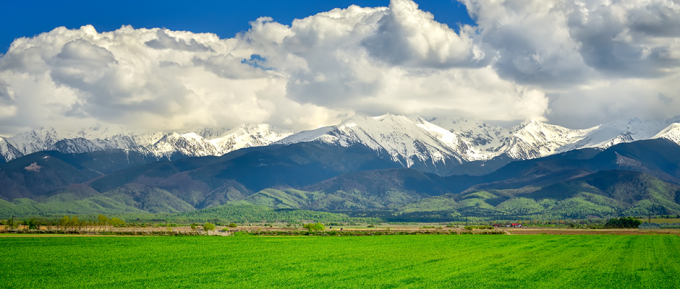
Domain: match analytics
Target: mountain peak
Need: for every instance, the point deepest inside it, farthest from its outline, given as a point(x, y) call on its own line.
point(530, 123)
point(389, 116)
point(413, 141)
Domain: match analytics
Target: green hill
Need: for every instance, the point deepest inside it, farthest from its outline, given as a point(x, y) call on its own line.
point(602, 194)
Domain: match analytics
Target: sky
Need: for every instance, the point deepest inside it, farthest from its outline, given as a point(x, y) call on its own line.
point(160, 66)
point(224, 18)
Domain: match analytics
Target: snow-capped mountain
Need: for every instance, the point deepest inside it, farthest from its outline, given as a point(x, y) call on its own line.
point(35, 140)
point(188, 144)
point(530, 139)
point(609, 134)
point(248, 135)
point(208, 141)
point(672, 133)
point(7, 150)
point(534, 139)
point(435, 145)
point(417, 144)
point(446, 141)
point(485, 139)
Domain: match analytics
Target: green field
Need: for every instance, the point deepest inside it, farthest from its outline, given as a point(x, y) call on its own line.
point(465, 261)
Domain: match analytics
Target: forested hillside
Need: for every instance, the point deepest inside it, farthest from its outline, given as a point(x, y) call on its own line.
point(636, 178)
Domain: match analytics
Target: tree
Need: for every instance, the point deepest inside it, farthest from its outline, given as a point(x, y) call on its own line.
point(48, 224)
point(12, 224)
point(74, 222)
point(116, 222)
point(209, 227)
point(103, 220)
point(32, 224)
point(314, 226)
point(64, 222)
point(624, 222)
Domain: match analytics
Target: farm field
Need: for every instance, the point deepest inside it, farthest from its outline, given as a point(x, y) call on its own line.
point(464, 261)
point(660, 221)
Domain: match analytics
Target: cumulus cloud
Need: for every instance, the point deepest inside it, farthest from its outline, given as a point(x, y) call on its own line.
point(397, 60)
point(597, 60)
point(66, 78)
point(573, 63)
point(407, 36)
point(165, 41)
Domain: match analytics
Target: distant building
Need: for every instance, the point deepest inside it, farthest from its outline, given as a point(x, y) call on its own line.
point(516, 225)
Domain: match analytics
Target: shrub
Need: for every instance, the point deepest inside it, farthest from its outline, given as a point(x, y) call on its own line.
point(314, 227)
point(209, 227)
point(232, 225)
point(624, 222)
point(32, 224)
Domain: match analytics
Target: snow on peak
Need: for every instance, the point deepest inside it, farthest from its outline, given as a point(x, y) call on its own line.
point(621, 131)
point(249, 135)
point(97, 137)
point(35, 140)
point(484, 140)
point(7, 150)
point(404, 140)
point(671, 132)
point(470, 139)
point(533, 139)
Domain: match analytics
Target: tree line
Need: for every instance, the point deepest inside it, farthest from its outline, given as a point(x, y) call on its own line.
point(65, 223)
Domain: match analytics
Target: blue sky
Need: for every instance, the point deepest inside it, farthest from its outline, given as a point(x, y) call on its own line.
point(225, 18)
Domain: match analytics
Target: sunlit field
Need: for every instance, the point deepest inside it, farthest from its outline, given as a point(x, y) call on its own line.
point(466, 261)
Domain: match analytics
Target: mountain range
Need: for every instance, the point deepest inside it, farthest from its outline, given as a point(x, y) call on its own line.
point(439, 145)
point(391, 167)
point(626, 179)
point(201, 142)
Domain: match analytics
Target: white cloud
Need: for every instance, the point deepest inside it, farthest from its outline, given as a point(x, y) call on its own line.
point(146, 79)
point(398, 60)
point(407, 36)
point(574, 63)
point(597, 60)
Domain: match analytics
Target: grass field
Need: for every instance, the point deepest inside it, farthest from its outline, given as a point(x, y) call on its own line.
point(659, 221)
point(466, 261)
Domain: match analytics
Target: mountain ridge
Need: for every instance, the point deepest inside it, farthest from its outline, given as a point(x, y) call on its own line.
point(439, 145)
point(331, 177)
